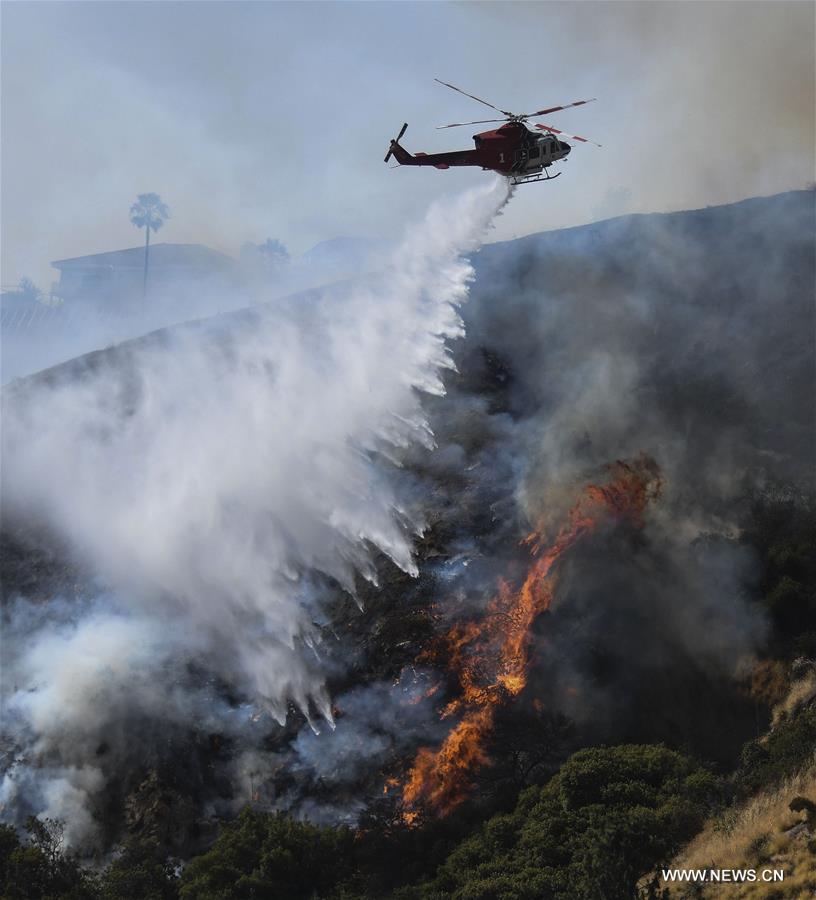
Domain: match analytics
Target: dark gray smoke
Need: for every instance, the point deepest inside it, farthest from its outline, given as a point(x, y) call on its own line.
point(688, 337)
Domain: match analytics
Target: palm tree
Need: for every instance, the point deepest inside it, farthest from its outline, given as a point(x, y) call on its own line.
point(148, 212)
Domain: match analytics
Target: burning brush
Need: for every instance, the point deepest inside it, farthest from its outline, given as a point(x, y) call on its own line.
point(490, 658)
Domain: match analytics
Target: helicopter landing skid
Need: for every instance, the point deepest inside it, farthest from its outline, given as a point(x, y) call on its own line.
point(531, 178)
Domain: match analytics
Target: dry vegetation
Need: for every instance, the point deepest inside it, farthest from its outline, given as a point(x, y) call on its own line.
point(760, 834)
point(801, 693)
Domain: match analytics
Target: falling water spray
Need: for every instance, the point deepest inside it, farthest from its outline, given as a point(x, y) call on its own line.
point(213, 479)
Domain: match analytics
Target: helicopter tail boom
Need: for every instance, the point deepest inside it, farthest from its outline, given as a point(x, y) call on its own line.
point(437, 160)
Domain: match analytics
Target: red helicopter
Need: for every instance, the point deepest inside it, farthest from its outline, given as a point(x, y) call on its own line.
point(512, 150)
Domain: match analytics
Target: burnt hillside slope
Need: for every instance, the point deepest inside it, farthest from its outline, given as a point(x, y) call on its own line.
point(684, 339)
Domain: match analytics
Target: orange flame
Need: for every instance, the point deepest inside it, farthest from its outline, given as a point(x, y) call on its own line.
point(490, 657)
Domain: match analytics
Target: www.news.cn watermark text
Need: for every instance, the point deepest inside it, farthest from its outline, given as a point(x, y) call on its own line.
point(718, 876)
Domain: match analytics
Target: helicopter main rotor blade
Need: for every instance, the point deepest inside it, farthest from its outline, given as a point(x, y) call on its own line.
point(552, 109)
point(477, 122)
point(571, 137)
point(473, 97)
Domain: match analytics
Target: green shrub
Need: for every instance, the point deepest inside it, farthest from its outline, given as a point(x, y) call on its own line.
point(262, 855)
point(781, 527)
point(608, 817)
point(140, 870)
point(787, 749)
point(38, 870)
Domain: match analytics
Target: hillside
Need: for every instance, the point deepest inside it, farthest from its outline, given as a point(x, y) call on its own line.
point(606, 647)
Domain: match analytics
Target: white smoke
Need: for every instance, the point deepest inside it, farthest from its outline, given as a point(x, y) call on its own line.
point(212, 478)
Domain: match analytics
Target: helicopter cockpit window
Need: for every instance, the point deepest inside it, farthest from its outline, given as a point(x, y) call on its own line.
point(534, 152)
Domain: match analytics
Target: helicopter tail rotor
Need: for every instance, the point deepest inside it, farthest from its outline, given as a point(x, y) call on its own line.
point(395, 142)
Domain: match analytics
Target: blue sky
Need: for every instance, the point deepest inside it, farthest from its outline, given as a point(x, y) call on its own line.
point(272, 119)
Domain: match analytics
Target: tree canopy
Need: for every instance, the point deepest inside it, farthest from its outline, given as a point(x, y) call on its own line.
point(148, 211)
point(270, 855)
point(609, 817)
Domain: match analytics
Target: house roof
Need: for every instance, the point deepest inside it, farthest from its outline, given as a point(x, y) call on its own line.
point(161, 255)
